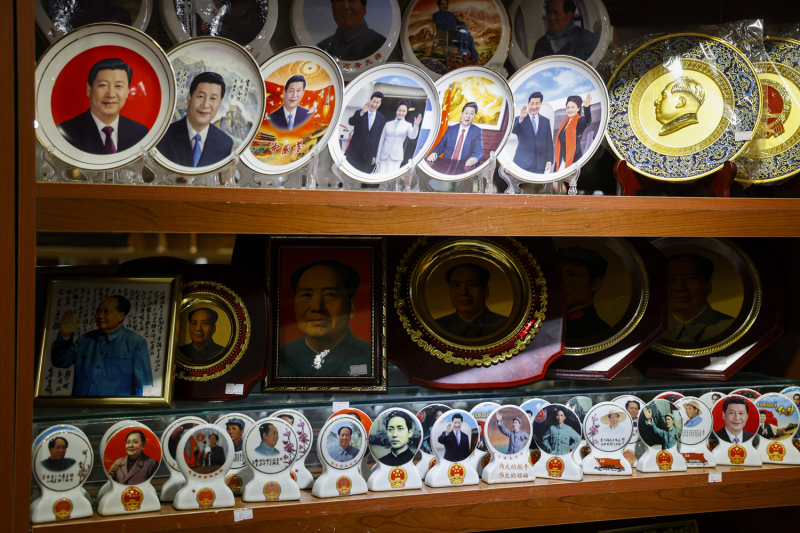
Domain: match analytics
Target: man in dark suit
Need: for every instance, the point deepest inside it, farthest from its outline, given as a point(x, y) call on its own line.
point(194, 141)
point(214, 454)
point(202, 326)
point(290, 115)
point(563, 36)
point(535, 149)
point(735, 412)
point(458, 33)
point(353, 39)
point(764, 428)
point(455, 441)
point(583, 271)
point(461, 142)
point(468, 285)
point(101, 130)
point(367, 128)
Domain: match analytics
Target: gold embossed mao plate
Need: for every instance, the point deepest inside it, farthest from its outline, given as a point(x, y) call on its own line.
point(682, 105)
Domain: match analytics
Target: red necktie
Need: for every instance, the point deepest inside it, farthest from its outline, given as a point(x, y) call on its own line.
point(457, 151)
point(110, 148)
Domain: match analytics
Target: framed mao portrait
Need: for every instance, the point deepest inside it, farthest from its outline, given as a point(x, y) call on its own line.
point(108, 341)
point(328, 314)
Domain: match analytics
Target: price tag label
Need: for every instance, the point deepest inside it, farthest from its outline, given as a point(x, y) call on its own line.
point(715, 477)
point(338, 406)
point(234, 388)
point(151, 391)
point(743, 136)
point(242, 514)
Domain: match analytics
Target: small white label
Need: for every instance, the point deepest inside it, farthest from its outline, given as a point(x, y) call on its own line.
point(358, 370)
point(338, 406)
point(151, 391)
point(234, 388)
point(715, 477)
point(743, 136)
point(717, 360)
point(242, 514)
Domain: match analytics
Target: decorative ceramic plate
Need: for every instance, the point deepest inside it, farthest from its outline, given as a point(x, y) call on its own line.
point(608, 427)
point(270, 446)
point(56, 18)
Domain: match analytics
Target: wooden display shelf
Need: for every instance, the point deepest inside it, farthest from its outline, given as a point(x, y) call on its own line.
point(482, 507)
point(70, 207)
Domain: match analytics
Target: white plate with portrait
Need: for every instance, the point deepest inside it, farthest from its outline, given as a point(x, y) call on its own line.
point(63, 460)
point(633, 406)
point(395, 437)
point(104, 94)
point(557, 430)
point(342, 442)
point(248, 23)
point(220, 101)
point(541, 28)
point(270, 446)
point(389, 122)
point(696, 419)
point(304, 89)
point(56, 18)
point(454, 436)
point(560, 117)
point(237, 426)
point(608, 427)
point(358, 34)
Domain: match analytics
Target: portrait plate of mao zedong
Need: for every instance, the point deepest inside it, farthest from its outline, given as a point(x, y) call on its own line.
point(342, 442)
point(56, 18)
point(358, 34)
point(62, 460)
point(327, 304)
point(713, 295)
point(104, 94)
point(395, 436)
point(207, 331)
point(270, 445)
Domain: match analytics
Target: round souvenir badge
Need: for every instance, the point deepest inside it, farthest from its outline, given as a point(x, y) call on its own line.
point(428, 416)
point(132, 455)
point(696, 419)
point(557, 430)
point(508, 431)
point(56, 18)
point(633, 406)
point(104, 93)
point(610, 275)
point(63, 460)
point(172, 436)
point(660, 424)
point(778, 417)
point(236, 425)
point(747, 393)
point(455, 435)
point(207, 451)
point(271, 445)
point(793, 393)
point(395, 436)
point(559, 118)
point(249, 24)
point(301, 427)
point(389, 123)
point(220, 104)
point(713, 295)
point(608, 427)
point(776, 146)
point(481, 414)
point(477, 104)
point(547, 27)
point(736, 419)
point(444, 35)
point(304, 89)
point(682, 105)
point(342, 442)
point(358, 35)
point(710, 398)
point(671, 396)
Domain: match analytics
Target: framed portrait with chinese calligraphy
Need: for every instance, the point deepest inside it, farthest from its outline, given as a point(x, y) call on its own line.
point(108, 341)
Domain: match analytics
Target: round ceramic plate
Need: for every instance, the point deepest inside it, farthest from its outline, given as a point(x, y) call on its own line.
point(405, 122)
point(671, 396)
point(301, 427)
point(776, 146)
point(237, 426)
point(338, 448)
point(735, 417)
point(633, 406)
point(541, 30)
point(250, 23)
point(580, 405)
point(710, 398)
point(778, 416)
point(305, 84)
point(508, 431)
point(747, 393)
point(554, 96)
point(682, 105)
point(132, 92)
point(443, 37)
point(696, 419)
point(359, 35)
point(608, 427)
point(428, 415)
point(63, 460)
point(532, 407)
point(228, 115)
point(172, 436)
point(135, 442)
point(395, 437)
point(455, 435)
point(660, 424)
point(557, 430)
point(480, 100)
point(206, 451)
point(481, 414)
point(793, 393)
point(270, 446)
point(56, 18)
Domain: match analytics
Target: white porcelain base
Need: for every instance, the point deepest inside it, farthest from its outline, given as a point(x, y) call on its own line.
point(581, 451)
point(385, 478)
point(783, 454)
point(255, 491)
point(426, 462)
point(111, 504)
point(246, 475)
point(650, 461)
point(751, 456)
point(304, 478)
point(188, 496)
point(697, 455)
point(440, 475)
point(509, 468)
point(606, 464)
point(326, 485)
point(171, 487)
point(571, 471)
point(42, 507)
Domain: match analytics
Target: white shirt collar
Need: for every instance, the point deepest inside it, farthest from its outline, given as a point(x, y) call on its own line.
point(465, 130)
point(192, 133)
point(114, 134)
point(293, 113)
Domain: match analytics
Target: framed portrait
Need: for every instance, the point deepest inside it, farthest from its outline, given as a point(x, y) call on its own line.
point(778, 417)
point(108, 341)
point(248, 23)
point(56, 18)
point(389, 123)
point(358, 35)
point(559, 117)
point(476, 121)
point(219, 105)
point(444, 35)
point(172, 436)
point(696, 420)
point(104, 94)
point(206, 450)
point(542, 28)
point(328, 328)
point(305, 90)
point(557, 430)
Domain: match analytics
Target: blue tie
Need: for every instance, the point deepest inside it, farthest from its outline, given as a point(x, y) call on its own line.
point(291, 122)
point(535, 125)
point(197, 151)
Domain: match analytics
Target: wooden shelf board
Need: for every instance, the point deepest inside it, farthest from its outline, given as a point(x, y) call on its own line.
point(69, 207)
point(482, 507)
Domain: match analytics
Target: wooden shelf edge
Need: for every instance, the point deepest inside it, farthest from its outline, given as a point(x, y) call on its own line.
point(543, 502)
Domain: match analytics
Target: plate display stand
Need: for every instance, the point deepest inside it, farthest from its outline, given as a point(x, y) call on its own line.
point(427, 462)
point(45, 507)
point(606, 463)
point(697, 455)
point(559, 467)
point(335, 482)
point(661, 461)
point(743, 454)
point(717, 184)
point(446, 474)
point(204, 491)
point(509, 468)
point(779, 452)
point(550, 187)
point(280, 487)
point(114, 501)
point(390, 478)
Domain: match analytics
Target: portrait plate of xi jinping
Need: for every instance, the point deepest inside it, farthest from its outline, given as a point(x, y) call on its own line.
point(328, 329)
point(108, 341)
point(713, 295)
point(104, 94)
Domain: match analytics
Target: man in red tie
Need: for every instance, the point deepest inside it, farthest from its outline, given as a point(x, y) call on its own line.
point(101, 130)
point(463, 141)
